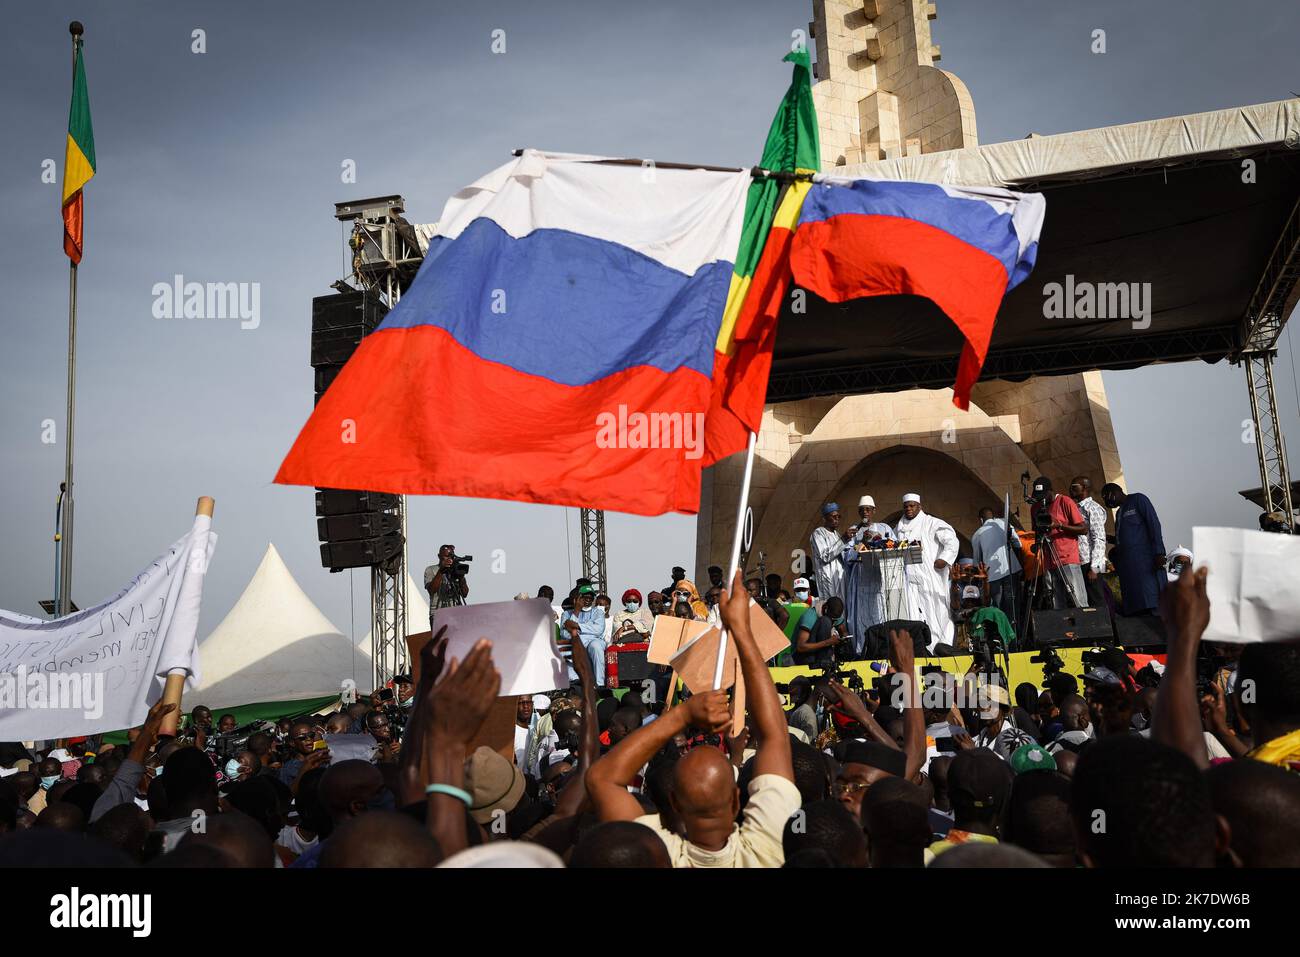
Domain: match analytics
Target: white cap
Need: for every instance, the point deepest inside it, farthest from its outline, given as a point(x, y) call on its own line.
point(911, 497)
point(800, 583)
point(970, 591)
point(866, 500)
point(541, 702)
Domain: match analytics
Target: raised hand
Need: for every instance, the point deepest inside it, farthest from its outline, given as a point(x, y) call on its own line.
point(709, 711)
point(462, 699)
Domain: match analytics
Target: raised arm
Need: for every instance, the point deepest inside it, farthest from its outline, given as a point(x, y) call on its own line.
point(766, 714)
point(856, 709)
point(903, 658)
point(1176, 720)
point(608, 778)
point(574, 794)
point(456, 707)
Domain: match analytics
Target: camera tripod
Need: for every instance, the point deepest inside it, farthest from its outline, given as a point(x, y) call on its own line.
point(1040, 540)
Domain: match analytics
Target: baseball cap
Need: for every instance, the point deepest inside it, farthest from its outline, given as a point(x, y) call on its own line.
point(997, 693)
point(1101, 675)
point(980, 777)
point(800, 583)
point(970, 591)
point(586, 590)
point(1032, 757)
point(494, 784)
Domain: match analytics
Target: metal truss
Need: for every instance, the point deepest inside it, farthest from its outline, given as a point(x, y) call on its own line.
point(385, 258)
point(592, 522)
point(1274, 299)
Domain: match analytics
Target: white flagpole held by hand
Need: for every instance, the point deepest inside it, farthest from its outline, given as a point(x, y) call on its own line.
point(742, 529)
point(176, 677)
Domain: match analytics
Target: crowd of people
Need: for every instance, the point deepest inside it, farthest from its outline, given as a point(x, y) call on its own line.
point(1196, 763)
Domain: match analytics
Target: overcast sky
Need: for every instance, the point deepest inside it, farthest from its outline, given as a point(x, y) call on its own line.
point(224, 166)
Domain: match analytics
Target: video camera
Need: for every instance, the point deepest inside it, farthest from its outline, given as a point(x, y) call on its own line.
point(227, 745)
point(460, 565)
point(1040, 496)
point(1050, 660)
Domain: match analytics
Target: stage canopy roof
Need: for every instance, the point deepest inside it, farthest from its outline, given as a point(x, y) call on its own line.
point(1165, 202)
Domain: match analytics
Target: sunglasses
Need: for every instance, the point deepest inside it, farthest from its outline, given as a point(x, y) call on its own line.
point(840, 788)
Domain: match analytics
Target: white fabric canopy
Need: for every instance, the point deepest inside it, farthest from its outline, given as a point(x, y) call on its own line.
point(276, 645)
point(1097, 152)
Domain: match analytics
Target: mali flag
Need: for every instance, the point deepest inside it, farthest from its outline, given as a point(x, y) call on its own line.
point(78, 160)
point(743, 357)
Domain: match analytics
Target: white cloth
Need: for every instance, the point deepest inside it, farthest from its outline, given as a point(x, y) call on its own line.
point(989, 547)
point(292, 841)
point(928, 596)
point(828, 562)
point(101, 669)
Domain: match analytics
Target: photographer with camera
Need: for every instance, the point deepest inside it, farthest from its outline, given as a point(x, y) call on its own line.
point(445, 582)
point(816, 636)
point(1059, 524)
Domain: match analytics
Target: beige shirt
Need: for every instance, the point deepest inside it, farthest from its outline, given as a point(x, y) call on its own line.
point(755, 843)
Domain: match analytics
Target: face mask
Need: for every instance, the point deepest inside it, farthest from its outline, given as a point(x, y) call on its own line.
point(232, 769)
point(838, 621)
point(49, 782)
point(631, 605)
point(801, 595)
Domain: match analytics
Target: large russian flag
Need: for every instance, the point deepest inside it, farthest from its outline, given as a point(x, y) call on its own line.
point(557, 345)
point(962, 247)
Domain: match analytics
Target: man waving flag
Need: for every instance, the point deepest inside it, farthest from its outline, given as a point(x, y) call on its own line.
point(78, 159)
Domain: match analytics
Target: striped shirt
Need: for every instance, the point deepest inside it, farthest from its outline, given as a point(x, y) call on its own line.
point(1092, 546)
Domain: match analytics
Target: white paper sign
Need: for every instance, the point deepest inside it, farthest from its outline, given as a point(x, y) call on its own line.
point(523, 642)
point(1253, 585)
point(351, 747)
point(101, 669)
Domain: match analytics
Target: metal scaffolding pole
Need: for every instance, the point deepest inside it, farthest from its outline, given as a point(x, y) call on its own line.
point(1270, 444)
point(385, 258)
point(593, 547)
point(1275, 297)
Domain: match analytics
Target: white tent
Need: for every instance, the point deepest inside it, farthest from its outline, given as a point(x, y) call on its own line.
point(276, 645)
point(417, 613)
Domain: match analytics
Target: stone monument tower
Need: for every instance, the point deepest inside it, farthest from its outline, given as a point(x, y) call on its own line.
point(878, 96)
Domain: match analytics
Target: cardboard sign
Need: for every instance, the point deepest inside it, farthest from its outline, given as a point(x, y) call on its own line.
point(523, 643)
point(668, 636)
point(696, 661)
point(1251, 585)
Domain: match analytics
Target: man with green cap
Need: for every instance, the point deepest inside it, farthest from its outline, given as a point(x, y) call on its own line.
point(590, 622)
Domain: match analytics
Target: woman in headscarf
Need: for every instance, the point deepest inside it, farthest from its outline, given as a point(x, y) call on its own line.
point(633, 621)
point(686, 591)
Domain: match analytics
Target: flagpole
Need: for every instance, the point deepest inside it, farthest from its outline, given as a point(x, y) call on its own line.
point(65, 560)
point(741, 509)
